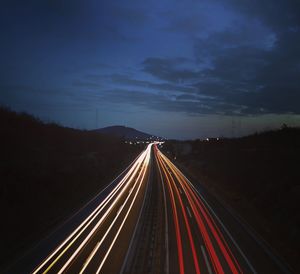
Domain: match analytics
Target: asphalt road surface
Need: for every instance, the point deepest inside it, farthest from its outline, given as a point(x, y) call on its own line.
point(152, 219)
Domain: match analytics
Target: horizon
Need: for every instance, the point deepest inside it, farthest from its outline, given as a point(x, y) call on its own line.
point(178, 70)
point(233, 134)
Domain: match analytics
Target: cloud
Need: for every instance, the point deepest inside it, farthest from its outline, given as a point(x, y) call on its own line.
point(170, 69)
point(68, 23)
point(254, 65)
point(160, 102)
point(243, 79)
point(218, 57)
point(255, 77)
point(278, 15)
point(86, 84)
point(162, 86)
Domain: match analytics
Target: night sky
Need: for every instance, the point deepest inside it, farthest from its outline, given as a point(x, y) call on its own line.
point(174, 68)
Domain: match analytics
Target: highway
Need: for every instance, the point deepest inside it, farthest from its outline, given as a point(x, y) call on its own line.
point(200, 245)
point(99, 243)
point(152, 219)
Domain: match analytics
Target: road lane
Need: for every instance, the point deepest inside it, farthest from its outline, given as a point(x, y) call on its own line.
point(153, 220)
point(230, 245)
point(183, 230)
point(221, 258)
point(148, 250)
point(102, 227)
point(90, 220)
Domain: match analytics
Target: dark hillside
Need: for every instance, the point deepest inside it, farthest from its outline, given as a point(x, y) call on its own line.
point(47, 172)
point(127, 133)
point(258, 176)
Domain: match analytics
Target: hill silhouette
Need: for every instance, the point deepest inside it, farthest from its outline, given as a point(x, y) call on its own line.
point(127, 133)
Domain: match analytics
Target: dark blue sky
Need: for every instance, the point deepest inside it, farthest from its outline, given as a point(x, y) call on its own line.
point(182, 69)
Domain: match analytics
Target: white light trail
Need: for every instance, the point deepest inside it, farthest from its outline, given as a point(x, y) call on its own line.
point(91, 217)
point(101, 219)
point(142, 174)
point(126, 216)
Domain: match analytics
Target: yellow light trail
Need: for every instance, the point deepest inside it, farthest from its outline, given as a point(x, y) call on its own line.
point(92, 216)
point(98, 224)
point(116, 217)
point(126, 216)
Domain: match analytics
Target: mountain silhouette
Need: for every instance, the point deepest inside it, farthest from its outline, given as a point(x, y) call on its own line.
point(127, 133)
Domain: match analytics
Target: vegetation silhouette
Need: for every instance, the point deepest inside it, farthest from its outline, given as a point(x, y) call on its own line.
point(257, 175)
point(47, 172)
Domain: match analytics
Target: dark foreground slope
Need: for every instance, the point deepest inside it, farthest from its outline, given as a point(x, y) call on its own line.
point(258, 176)
point(46, 173)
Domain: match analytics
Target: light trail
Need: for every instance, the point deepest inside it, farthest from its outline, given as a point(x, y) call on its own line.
point(196, 264)
point(220, 222)
point(216, 263)
point(231, 261)
point(133, 170)
point(90, 257)
point(97, 225)
point(118, 214)
point(176, 223)
point(89, 247)
point(126, 216)
point(212, 225)
point(89, 235)
point(166, 214)
point(224, 247)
